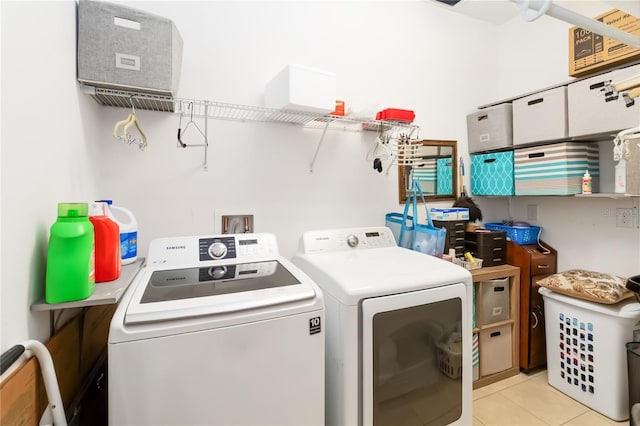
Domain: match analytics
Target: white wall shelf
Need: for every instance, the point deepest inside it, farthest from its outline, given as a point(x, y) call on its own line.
point(243, 113)
point(103, 294)
point(606, 195)
point(106, 293)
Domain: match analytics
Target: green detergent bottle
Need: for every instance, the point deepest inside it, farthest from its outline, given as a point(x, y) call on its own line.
point(70, 260)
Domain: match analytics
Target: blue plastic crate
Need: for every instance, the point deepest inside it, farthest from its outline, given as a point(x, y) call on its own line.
point(518, 234)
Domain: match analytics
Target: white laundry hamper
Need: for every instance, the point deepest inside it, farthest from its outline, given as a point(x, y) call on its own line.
point(586, 353)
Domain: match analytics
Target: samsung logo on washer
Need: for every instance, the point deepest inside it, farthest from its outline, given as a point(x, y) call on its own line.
point(175, 247)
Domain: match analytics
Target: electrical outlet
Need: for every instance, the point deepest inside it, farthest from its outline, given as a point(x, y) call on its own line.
point(237, 224)
point(624, 218)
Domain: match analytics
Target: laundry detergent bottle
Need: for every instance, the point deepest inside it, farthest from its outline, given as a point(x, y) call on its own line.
point(107, 243)
point(70, 259)
point(128, 231)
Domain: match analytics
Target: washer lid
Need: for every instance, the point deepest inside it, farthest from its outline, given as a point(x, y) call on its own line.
point(188, 292)
point(351, 276)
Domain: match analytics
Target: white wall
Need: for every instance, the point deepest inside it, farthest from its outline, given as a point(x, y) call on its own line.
point(57, 143)
point(534, 56)
point(48, 151)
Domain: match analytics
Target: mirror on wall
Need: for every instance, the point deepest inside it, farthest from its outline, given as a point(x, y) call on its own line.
point(435, 168)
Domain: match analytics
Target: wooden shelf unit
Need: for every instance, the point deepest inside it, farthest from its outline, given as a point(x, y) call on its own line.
point(490, 273)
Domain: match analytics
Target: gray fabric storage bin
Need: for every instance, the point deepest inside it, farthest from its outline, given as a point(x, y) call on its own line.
point(590, 113)
point(490, 128)
point(540, 117)
point(495, 301)
point(632, 167)
point(128, 49)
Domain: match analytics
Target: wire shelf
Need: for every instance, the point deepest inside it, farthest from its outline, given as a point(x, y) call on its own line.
point(236, 112)
point(245, 113)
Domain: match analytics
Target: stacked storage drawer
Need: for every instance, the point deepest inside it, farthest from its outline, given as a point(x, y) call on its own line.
point(492, 173)
point(490, 128)
point(555, 169)
point(493, 307)
point(540, 117)
point(490, 246)
point(455, 234)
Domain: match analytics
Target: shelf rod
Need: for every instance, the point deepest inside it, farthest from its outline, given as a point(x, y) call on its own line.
point(324, 131)
point(206, 135)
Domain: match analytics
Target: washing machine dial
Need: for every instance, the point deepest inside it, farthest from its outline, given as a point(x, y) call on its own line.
point(352, 240)
point(217, 272)
point(217, 250)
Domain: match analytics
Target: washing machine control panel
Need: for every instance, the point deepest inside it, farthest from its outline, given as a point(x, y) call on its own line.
point(217, 248)
point(237, 246)
point(190, 250)
point(346, 239)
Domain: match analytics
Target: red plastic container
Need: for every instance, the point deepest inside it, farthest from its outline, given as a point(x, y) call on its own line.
point(394, 114)
point(108, 263)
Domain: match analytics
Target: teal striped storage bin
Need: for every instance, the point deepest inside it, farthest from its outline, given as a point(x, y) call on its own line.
point(425, 174)
point(492, 173)
point(444, 178)
point(556, 169)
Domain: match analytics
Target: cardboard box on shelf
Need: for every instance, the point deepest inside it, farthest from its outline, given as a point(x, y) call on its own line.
point(589, 52)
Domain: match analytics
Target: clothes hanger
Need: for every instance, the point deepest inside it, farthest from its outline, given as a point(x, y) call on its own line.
point(127, 123)
point(182, 132)
point(134, 121)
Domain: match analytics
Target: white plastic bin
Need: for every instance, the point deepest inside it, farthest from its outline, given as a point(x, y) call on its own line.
point(586, 354)
point(302, 88)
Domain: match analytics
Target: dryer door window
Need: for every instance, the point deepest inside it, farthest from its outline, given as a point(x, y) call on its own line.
point(413, 357)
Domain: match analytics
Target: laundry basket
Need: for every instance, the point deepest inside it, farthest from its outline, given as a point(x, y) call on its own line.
point(633, 367)
point(449, 352)
point(586, 356)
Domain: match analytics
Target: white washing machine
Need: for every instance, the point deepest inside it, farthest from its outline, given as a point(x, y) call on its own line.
point(398, 329)
point(217, 330)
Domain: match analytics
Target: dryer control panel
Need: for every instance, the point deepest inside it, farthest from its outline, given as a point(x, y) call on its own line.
point(346, 239)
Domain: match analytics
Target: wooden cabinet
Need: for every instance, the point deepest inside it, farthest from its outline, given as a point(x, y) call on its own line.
point(534, 265)
point(499, 328)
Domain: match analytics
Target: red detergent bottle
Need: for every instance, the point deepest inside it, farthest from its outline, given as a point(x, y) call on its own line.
point(107, 243)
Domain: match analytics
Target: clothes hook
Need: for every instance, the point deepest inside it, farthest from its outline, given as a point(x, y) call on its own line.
point(180, 143)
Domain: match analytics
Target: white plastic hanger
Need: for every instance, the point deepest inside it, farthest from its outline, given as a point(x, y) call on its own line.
point(131, 120)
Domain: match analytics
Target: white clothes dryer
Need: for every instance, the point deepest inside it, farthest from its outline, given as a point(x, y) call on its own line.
point(217, 330)
point(398, 329)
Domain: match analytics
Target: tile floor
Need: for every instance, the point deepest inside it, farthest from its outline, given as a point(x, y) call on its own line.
point(525, 400)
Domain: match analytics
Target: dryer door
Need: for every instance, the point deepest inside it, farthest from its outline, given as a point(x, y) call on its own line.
point(416, 357)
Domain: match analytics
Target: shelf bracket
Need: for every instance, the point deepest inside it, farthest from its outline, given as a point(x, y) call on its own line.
point(315, 155)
